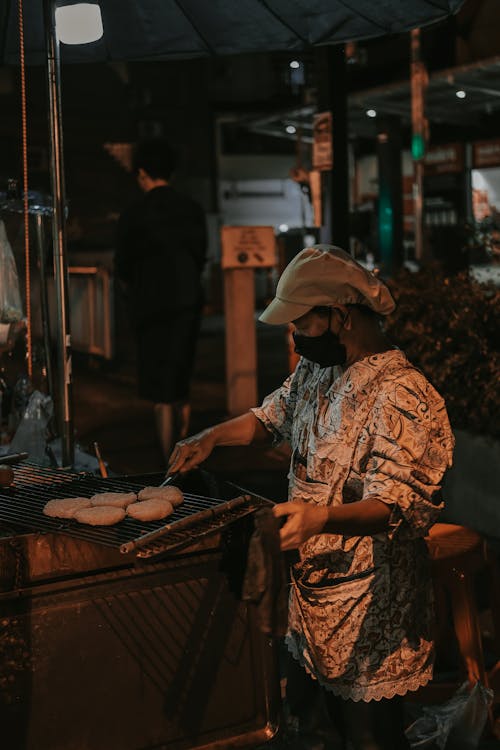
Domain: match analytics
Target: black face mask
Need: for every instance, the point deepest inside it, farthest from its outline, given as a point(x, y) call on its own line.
point(326, 349)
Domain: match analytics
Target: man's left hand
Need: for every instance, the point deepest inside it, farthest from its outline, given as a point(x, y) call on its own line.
point(302, 521)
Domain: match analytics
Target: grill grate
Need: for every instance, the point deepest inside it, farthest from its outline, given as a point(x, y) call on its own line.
point(22, 506)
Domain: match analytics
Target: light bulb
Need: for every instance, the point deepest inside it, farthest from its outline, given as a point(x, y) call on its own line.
point(79, 24)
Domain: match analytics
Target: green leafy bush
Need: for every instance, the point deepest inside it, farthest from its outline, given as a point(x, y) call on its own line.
point(448, 326)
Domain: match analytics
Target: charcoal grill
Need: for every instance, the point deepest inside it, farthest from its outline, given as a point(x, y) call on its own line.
point(130, 637)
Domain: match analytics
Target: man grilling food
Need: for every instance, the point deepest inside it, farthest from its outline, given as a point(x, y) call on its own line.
point(370, 441)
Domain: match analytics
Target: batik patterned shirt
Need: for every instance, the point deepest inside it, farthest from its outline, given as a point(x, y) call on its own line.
point(360, 617)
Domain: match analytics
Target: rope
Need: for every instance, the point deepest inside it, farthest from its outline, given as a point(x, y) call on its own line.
point(24, 130)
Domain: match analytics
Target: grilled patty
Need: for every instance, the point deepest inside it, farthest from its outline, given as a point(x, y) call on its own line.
point(103, 515)
point(150, 510)
point(116, 499)
point(66, 507)
point(172, 494)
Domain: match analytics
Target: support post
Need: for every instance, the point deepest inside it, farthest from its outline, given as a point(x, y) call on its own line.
point(44, 302)
point(390, 184)
point(241, 340)
point(63, 337)
point(332, 86)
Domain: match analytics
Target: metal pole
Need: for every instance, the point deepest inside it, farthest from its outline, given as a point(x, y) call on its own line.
point(332, 89)
point(44, 303)
point(418, 202)
point(420, 133)
point(63, 337)
point(339, 197)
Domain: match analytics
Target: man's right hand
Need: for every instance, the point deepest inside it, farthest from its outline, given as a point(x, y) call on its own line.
point(191, 452)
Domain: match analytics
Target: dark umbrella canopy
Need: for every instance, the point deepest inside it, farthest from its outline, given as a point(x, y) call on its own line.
point(169, 29)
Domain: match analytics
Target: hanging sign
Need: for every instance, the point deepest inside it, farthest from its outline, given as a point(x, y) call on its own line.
point(322, 154)
point(248, 247)
point(486, 153)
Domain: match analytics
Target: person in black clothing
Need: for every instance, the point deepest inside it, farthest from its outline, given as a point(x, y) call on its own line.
point(160, 254)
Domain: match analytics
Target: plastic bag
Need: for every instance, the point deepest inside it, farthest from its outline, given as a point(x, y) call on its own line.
point(31, 435)
point(455, 725)
point(11, 308)
point(83, 461)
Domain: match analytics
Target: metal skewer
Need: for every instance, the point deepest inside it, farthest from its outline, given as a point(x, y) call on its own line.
point(102, 465)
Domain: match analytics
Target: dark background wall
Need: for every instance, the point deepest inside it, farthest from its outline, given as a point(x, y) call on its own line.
point(120, 102)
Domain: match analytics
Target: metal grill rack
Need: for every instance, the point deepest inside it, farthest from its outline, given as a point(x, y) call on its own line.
point(199, 516)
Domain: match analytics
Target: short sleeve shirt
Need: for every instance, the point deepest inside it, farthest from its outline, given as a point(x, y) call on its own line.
point(361, 607)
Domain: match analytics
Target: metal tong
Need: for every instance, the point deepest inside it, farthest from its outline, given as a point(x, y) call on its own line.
point(169, 479)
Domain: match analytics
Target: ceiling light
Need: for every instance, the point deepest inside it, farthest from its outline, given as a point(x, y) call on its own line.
point(291, 129)
point(295, 64)
point(461, 94)
point(371, 112)
point(79, 24)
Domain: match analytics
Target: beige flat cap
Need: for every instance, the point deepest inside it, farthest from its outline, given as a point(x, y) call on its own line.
point(325, 275)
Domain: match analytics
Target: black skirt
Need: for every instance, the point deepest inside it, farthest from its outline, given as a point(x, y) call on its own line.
point(165, 356)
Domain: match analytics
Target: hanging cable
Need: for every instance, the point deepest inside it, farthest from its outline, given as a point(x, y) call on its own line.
point(24, 130)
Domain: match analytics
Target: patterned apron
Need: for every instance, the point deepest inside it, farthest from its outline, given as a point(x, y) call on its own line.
point(341, 589)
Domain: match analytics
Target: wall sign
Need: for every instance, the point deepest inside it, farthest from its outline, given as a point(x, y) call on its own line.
point(445, 159)
point(486, 153)
point(248, 247)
